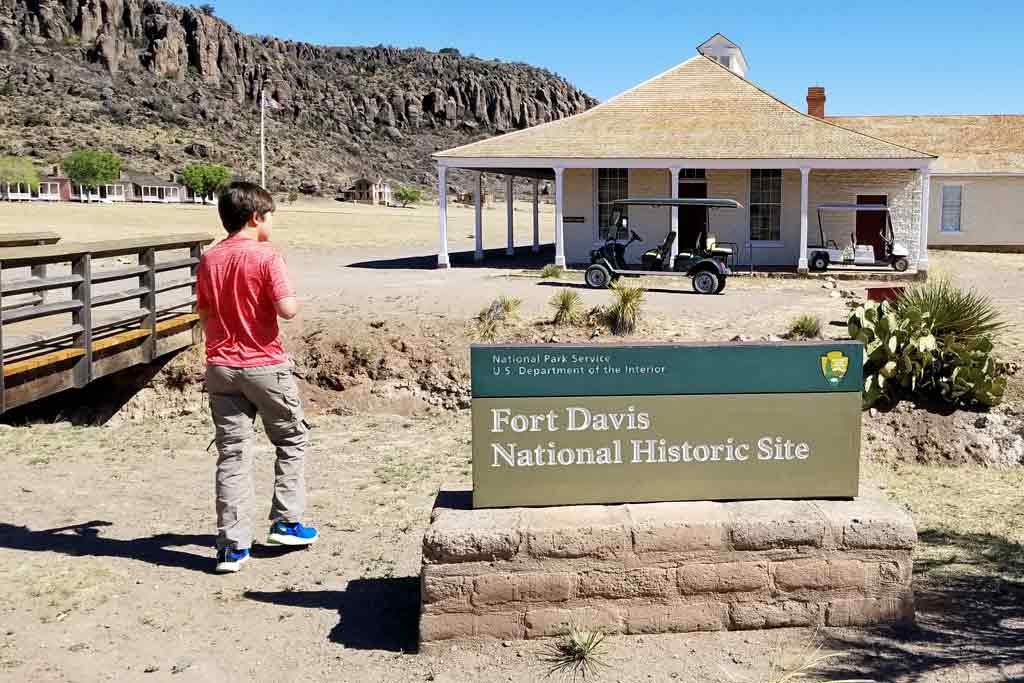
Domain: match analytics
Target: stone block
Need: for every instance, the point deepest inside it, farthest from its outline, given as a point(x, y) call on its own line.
point(500, 625)
point(590, 531)
point(679, 527)
point(542, 623)
point(764, 524)
point(554, 587)
point(472, 535)
point(724, 577)
point(443, 594)
point(820, 574)
point(758, 615)
point(869, 523)
point(496, 589)
point(634, 583)
point(871, 611)
point(677, 618)
point(445, 626)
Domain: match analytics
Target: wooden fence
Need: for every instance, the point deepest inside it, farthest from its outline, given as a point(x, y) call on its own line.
point(93, 309)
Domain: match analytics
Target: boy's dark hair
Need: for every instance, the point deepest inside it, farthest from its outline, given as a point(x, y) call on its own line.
point(239, 201)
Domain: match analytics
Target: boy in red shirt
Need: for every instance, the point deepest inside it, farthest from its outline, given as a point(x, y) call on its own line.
point(243, 288)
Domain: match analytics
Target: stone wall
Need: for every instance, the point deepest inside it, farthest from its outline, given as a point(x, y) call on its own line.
point(664, 567)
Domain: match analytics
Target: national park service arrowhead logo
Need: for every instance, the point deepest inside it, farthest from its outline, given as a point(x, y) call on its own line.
point(834, 365)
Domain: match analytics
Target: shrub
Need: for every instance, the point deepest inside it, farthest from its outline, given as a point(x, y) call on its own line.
point(568, 307)
point(576, 655)
point(552, 272)
point(408, 195)
point(805, 327)
point(509, 305)
point(951, 310)
point(623, 315)
point(206, 180)
point(489, 320)
point(903, 358)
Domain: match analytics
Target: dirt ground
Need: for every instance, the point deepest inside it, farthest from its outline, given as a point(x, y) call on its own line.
point(106, 549)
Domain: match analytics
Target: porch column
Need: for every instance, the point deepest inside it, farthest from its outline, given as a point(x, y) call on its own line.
point(926, 210)
point(442, 205)
point(805, 176)
point(536, 215)
point(510, 248)
point(559, 232)
point(673, 213)
point(478, 205)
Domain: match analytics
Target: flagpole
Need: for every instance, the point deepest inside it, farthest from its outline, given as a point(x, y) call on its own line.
point(263, 139)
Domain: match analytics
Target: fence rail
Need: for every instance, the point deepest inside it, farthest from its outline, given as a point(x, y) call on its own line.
point(110, 328)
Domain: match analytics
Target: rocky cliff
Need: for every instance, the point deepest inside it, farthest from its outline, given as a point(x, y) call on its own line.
point(161, 84)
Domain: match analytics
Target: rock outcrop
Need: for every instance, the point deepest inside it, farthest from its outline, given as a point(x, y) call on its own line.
point(151, 78)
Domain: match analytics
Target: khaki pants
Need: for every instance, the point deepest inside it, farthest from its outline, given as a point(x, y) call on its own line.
point(237, 395)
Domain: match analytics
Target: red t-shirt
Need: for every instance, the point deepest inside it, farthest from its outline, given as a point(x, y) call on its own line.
point(240, 280)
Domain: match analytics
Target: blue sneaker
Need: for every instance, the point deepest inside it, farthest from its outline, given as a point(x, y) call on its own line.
point(282, 533)
point(230, 560)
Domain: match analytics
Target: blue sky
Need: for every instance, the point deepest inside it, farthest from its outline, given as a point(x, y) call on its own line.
point(894, 57)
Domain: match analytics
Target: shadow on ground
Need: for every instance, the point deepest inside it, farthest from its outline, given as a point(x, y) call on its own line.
point(82, 540)
point(654, 290)
point(524, 258)
point(970, 613)
point(375, 614)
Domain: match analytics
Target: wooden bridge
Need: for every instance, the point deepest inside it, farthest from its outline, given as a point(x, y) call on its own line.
point(73, 313)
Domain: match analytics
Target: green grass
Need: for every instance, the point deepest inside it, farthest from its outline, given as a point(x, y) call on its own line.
point(552, 272)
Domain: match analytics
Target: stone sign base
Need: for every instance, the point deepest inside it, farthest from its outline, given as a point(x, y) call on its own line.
point(663, 567)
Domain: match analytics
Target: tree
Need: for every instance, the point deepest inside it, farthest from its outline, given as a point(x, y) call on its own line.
point(206, 180)
point(91, 168)
point(18, 170)
point(408, 195)
point(207, 9)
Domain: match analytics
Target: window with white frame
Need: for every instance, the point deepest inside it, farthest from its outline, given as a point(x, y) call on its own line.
point(724, 60)
point(766, 205)
point(612, 184)
point(952, 207)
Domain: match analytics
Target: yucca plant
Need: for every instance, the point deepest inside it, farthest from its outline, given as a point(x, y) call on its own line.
point(568, 307)
point(509, 305)
point(805, 327)
point(576, 655)
point(623, 315)
point(962, 313)
point(489, 319)
point(552, 272)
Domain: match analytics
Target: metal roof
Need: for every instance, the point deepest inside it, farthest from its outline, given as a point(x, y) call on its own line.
point(711, 203)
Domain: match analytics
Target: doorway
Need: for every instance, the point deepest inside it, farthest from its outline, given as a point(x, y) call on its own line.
point(871, 224)
point(692, 219)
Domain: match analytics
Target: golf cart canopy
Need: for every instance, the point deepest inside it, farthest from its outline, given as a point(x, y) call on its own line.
point(668, 201)
point(853, 207)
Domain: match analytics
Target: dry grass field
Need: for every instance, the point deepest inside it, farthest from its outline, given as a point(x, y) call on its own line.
point(105, 549)
point(307, 224)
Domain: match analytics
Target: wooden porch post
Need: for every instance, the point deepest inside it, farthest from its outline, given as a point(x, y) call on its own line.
point(805, 173)
point(442, 204)
point(510, 248)
point(673, 213)
point(559, 231)
point(478, 205)
point(926, 210)
point(536, 215)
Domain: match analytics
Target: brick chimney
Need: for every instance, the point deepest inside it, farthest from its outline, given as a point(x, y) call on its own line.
point(816, 101)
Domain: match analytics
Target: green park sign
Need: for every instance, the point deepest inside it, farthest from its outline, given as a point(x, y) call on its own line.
point(574, 424)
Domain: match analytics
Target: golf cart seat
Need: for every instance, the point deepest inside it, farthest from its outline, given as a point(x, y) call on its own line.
point(714, 249)
point(660, 255)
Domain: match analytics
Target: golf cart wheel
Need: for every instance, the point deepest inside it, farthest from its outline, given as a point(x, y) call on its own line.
point(706, 282)
point(721, 284)
point(597, 277)
point(901, 264)
point(819, 262)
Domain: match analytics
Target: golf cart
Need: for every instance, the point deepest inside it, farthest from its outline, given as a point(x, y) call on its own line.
point(704, 262)
point(828, 252)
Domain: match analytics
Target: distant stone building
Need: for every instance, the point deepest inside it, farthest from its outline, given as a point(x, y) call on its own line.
point(366, 191)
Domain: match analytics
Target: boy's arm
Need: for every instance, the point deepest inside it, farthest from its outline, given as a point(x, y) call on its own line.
point(281, 291)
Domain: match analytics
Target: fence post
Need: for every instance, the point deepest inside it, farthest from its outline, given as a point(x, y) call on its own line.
point(147, 258)
point(196, 252)
point(82, 292)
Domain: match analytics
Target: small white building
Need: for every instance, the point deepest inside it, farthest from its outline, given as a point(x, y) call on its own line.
point(151, 189)
point(16, 192)
point(366, 191)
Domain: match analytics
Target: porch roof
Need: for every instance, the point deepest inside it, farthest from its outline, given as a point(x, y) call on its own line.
point(698, 110)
